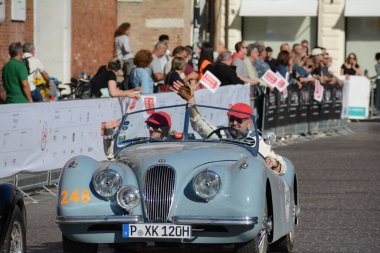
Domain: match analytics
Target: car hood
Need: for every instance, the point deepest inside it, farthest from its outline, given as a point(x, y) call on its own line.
point(180, 154)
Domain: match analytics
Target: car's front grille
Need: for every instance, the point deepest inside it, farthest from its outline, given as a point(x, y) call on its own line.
point(158, 192)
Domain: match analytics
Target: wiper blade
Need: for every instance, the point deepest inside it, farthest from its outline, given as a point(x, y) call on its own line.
point(135, 140)
point(138, 140)
point(225, 140)
point(234, 141)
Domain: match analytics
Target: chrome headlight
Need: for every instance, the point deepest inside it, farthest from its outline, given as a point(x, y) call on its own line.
point(106, 183)
point(207, 184)
point(128, 197)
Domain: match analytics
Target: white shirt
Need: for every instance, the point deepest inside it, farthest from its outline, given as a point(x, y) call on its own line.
point(35, 68)
point(203, 128)
point(165, 58)
point(123, 42)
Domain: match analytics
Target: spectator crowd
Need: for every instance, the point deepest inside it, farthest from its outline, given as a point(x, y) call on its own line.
point(24, 78)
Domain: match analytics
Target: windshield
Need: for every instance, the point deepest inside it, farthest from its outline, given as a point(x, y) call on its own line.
point(181, 123)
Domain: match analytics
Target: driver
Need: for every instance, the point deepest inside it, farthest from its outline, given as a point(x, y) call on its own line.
point(241, 122)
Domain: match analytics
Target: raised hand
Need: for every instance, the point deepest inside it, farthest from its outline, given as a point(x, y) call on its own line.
point(184, 91)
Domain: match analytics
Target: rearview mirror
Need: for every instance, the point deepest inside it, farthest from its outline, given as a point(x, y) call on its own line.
point(269, 138)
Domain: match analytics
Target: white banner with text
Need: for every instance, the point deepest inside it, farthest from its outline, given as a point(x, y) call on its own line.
point(44, 136)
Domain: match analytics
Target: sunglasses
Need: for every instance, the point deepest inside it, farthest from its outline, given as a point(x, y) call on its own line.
point(155, 127)
point(233, 119)
point(309, 66)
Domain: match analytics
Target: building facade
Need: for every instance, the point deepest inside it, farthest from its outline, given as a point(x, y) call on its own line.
point(70, 36)
point(151, 18)
point(74, 36)
point(341, 26)
point(14, 30)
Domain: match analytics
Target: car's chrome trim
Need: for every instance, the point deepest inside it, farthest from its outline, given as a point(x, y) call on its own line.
point(158, 192)
point(99, 219)
point(215, 220)
point(185, 220)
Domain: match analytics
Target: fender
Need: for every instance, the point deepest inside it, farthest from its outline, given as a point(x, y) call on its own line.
point(283, 201)
point(76, 195)
point(10, 197)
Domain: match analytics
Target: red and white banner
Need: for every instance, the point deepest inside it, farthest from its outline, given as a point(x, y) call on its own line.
point(270, 78)
point(285, 93)
point(210, 81)
point(275, 80)
point(282, 83)
point(318, 91)
point(149, 102)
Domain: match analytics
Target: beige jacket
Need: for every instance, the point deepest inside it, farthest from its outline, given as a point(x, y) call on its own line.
point(203, 128)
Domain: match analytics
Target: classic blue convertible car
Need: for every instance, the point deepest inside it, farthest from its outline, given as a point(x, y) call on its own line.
point(180, 188)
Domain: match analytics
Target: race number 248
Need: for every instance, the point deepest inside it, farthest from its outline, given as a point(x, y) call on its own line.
point(75, 196)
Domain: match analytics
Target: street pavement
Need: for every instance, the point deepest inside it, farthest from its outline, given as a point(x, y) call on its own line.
point(339, 187)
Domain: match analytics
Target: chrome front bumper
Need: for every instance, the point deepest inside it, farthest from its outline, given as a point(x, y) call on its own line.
point(183, 220)
point(214, 220)
point(106, 219)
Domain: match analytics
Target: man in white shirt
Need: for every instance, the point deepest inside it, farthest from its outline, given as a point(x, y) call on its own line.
point(36, 69)
point(156, 69)
point(239, 120)
point(165, 58)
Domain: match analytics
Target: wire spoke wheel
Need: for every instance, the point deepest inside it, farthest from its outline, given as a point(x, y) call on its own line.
point(263, 235)
point(285, 244)
point(259, 244)
point(16, 240)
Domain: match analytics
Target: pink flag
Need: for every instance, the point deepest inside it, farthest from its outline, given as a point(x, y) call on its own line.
point(318, 91)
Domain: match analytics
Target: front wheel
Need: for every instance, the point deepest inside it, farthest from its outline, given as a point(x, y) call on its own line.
point(15, 238)
point(285, 243)
point(259, 244)
point(253, 246)
point(70, 246)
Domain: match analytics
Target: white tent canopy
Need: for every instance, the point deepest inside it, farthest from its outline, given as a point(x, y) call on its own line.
point(362, 8)
point(278, 8)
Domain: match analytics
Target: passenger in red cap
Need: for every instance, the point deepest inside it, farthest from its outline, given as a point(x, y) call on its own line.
point(239, 118)
point(159, 124)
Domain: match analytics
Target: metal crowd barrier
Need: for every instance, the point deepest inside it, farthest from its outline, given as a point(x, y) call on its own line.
point(28, 181)
point(298, 113)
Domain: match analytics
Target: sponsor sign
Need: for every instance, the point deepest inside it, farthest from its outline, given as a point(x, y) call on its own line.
point(282, 83)
point(356, 97)
point(210, 81)
point(270, 78)
point(285, 91)
point(149, 102)
point(318, 91)
point(275, 80)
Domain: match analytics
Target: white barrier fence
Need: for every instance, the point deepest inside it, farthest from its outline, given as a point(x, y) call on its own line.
point(43, 136)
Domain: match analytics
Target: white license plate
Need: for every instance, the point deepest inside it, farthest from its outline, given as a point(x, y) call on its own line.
point(156, 231)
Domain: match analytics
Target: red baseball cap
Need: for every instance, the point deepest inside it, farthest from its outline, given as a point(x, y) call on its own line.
point(160, 118)
point(240, 107)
